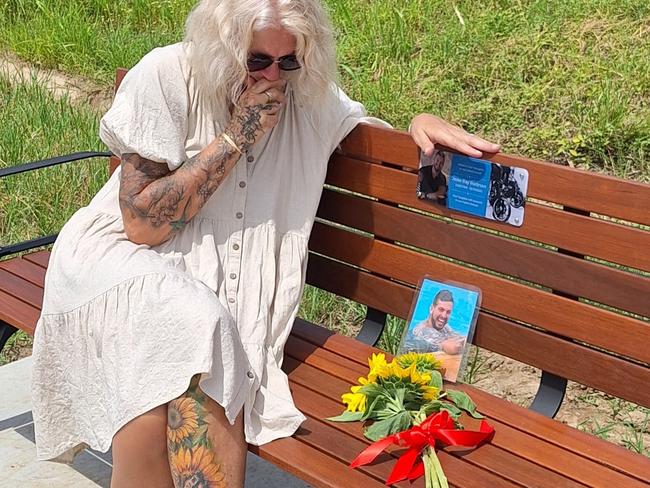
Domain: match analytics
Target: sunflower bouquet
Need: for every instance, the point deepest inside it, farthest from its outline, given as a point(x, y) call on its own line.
point(408, 406)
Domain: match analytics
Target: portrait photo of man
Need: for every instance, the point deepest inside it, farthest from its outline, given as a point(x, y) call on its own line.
point(432, 182)
point(441, 323)
point(433, 333)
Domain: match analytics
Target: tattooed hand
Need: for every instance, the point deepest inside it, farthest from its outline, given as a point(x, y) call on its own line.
point(256, 111)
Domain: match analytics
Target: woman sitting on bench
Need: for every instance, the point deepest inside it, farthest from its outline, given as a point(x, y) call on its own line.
point(169, 298)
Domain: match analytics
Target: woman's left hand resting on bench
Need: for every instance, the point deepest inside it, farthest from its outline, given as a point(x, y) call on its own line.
point(428, 130)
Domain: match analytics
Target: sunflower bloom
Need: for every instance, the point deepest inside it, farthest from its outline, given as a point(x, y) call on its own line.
point(354, 400)
point(424, 361)
point(397, 371)
point(196, 468)
point(182, 420)
point(429, 392)
point(418, 378)
point(379, 368)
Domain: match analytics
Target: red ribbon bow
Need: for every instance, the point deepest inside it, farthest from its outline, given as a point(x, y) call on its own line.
point(436, 427)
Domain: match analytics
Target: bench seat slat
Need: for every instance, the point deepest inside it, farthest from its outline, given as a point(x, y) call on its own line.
point(524, 420)
point(25, 269)
point(577, 277)
point(311, 465)
point(460, 472)
point(21, 289)
point(504, 456)
point(336, 444)
point(42, 258)
point(520, 302)
point(491, 457)
point(627, 200)
point(616, 243)
point(17, 313)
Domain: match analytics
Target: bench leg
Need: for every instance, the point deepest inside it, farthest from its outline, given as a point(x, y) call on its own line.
point(6, 331)
point(373, 326)
point(549, 395)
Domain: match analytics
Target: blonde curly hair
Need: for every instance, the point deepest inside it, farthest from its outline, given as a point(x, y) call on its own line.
point(220, 32)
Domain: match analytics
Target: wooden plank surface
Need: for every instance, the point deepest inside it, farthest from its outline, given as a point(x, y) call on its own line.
point(577, 277)
point(535, 467)
point(25, 269)
point(557, 314)
point(584, 190)
point(325, 437)
point(616, 243)
point(42, 258)
point(585, 446)
point(17, 313)
point(311, 465)
point(120, 73)
point(534, 347)
point(19, 288)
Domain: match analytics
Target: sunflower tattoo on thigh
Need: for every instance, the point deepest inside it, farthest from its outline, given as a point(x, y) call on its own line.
point(191, 457)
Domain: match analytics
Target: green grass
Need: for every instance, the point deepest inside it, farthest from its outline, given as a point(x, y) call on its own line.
point(34, 125)
point(569, 81)
point(89, 37)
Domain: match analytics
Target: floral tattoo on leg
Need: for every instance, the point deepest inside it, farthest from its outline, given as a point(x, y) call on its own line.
point(191, 457)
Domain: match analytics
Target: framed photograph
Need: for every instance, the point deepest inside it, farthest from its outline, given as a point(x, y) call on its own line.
point(474, 186)
point(442, 321)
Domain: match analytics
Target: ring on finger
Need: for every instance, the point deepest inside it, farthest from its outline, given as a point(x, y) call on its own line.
point(269, 97)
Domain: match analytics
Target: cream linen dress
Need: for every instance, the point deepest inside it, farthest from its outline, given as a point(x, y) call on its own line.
point(124, 326)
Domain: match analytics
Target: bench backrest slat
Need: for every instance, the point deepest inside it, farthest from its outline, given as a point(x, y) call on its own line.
point(520, 302)
point(531, 346)
point(534, 264)
point(590, 236)
point(602, 194)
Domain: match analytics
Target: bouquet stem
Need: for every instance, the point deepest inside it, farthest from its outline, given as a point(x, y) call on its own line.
point(433, 474)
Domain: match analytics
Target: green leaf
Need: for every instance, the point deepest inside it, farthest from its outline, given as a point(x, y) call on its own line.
point(371, 389)
point(464, 402)
point(436, 379)
point(391, 425)
point(453, 410)
point(430, 407)
point(346, 416)
point(376, 405)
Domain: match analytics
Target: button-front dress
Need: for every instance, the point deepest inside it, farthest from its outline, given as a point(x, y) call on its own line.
point(125, 326)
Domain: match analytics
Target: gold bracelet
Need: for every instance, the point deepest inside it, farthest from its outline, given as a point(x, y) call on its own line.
point(231, 142)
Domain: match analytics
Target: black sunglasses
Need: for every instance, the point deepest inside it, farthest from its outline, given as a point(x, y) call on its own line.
point(258, 62)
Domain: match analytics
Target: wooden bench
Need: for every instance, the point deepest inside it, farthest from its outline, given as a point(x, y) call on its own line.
point(568, 293)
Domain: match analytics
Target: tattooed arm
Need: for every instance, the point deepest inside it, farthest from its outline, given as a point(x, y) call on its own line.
point(155, 202)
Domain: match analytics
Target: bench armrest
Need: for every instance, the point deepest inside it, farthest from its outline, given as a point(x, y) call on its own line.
point(44, 163)
point(55, 161)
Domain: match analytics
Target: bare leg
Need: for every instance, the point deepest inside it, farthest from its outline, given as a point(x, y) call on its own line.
point(140, 452)
point(204, 450)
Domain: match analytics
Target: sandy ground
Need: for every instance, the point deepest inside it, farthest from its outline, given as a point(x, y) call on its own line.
point(79, 90)
point(587, 409)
